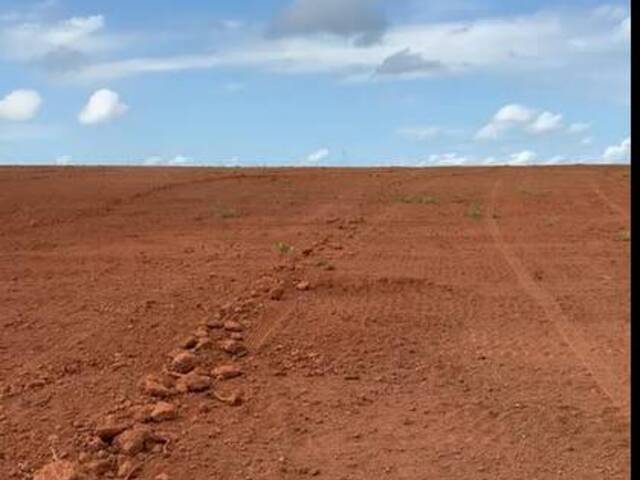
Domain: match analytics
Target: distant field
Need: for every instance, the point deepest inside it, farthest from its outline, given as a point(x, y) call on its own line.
point(458, 323)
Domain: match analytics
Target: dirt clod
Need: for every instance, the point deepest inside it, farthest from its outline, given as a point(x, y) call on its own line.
point(57, 470)
point(163, 411)
point(193, 382)
point(225, 372)
point(184, 362)
point(132, 441)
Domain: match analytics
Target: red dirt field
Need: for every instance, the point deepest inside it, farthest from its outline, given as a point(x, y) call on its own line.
point(460, 323)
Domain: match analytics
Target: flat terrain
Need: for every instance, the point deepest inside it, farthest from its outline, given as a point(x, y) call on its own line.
point(461, 323)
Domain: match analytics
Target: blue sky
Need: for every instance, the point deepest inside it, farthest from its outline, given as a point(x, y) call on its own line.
point(310, 82)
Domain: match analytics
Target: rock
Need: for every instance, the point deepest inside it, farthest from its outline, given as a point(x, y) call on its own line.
point(304, 285)
point(277, 293)
point(125, 468)
point(234, 399)
point(307, 251)
point(95, 444)
point(163, 411)
point(225, 372)
point(154, 387)
point(193, 382)
point(232, 326)
point(189, 343)
point(236, 336)
point(184, 362)
point(109, 428)
point(58, 470)
point(132, 441)
point(162, 476)
point(215, 324)
point(100, 467)
point(201, 332)
point(233, 347)
point(203, 344)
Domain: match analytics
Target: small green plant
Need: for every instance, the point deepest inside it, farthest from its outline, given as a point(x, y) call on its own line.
point(283, 248)
point(474, 211)
point(624, 236)
point(417, 199)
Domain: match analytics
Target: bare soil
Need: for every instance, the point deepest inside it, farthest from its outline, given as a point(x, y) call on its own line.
point(314, 323)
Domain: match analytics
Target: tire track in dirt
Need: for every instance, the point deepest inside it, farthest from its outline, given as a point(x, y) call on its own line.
point(613, 206)
point(597, 366)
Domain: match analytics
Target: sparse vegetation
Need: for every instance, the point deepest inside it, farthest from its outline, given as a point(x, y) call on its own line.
point(417, 199)
point(474, 211)
point(283, 248)
point(550, 221)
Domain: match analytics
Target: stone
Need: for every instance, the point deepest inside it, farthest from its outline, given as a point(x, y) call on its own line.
point(109, 428)
point(184, 362)
point(163, 411)
point(225, 372)
point(162, 476)
point(215, 324)
point(154, 387)
point(193, 382)
point(233, 347)
point(132, 442)
point(57, 470)
point(277, 293)
point(303, 286)
point(100, 467)
point(236, 336)
point(232, 326)
point(189, 343)
point(125, 468)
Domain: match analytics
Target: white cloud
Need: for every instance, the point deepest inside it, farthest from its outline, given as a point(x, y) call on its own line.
point(586, 141)
point(618, 153)
point(20, 105)
point(318, 155)
point(504, 119)
point(30, 41)
point(513, 113)
point(64, 160)
point(103, 106)
point(524, 157)
point(176, 161)
point(572, 44)
point(546, 122)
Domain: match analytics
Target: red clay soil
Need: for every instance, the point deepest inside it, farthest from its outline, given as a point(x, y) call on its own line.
point(459, 323)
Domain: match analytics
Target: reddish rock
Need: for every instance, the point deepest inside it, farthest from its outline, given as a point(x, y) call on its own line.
point(154, 387)
point(163, 411)
point(304, 285)
point(233, 347)
point(215, 324)
point(277, 293)
point(225, 372)
point(184, 362)
point(236, 336)
point(132, 441)
point(58, 470)
point(189, 343)
point(102, 466)
point(232, 326)
point(193, 382)
point(109, 428)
